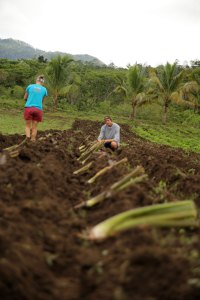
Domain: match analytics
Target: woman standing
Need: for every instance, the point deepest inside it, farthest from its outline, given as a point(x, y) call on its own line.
point(34, 96)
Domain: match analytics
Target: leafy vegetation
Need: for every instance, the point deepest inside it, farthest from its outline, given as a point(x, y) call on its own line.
point(57, 76)
point(166, 80)
point(175, 136)
point(87, 91)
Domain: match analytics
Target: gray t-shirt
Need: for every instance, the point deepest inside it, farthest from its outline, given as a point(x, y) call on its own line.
point(108, 133)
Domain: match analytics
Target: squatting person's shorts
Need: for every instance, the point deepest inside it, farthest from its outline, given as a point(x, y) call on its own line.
point(108, 145)
point(33, 113)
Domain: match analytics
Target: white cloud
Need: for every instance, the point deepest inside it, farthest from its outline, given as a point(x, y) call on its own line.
point(146, 31)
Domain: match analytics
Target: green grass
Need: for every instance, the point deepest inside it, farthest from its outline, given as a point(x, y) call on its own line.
point(12, 121)
point(171, 135)
point(182, 129)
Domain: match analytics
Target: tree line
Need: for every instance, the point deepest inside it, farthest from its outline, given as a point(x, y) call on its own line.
point(86, 85)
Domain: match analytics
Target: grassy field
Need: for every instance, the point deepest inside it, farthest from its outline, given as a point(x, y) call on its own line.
point(12, 121)
point(174, 136)
point(182, 129)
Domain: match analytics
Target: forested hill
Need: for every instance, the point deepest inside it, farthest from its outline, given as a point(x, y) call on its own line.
point(14, 49)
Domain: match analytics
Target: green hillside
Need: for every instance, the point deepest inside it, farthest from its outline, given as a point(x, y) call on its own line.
point(14, 49)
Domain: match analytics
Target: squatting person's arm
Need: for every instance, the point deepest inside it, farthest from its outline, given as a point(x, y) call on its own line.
point(101, 135)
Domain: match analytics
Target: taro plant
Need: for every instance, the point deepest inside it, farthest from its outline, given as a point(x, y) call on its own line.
point(106, 169)
point(134, 177)
point(83, 169)
point(88, 151)
point(174, 214)
point(14, 150)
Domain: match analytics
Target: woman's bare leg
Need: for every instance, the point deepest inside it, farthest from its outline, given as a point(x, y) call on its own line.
point(28, 128)
point(34, 130)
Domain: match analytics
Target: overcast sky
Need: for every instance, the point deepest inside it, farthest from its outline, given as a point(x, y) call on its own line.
point(119, 31)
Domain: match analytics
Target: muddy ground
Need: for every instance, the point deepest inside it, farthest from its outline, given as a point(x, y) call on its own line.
point(42, 255)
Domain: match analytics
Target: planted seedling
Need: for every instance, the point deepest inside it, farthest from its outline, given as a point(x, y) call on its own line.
point(174, 214)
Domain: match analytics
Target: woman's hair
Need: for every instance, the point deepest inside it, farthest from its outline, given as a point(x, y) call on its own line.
point(40, 78)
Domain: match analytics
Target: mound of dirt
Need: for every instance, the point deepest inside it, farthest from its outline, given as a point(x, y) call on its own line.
point(42, 255)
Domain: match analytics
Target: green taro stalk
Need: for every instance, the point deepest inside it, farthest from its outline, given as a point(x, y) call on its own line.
point(83, 169)
point(13, 151)
point(134, 177)
point(87, 154)
point(174, 214)
point(106, 169)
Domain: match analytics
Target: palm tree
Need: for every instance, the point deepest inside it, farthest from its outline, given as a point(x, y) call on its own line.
point(166, 81)
point(137, 87)
point(191, 90)
point(57, 75)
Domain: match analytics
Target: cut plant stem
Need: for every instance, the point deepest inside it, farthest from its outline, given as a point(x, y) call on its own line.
point(139, 170)
point(84, 161)
point(106, 169)
point(124, 183)
point(180, 213)
point(14, 153)
point(82, 147)
point(85, 142)
point(132, 181)
point(83, 169)
point(88, 150)
point(93, 201)
point(11, 148)
point(86, 155)
point(107, 194)
point(96, 146)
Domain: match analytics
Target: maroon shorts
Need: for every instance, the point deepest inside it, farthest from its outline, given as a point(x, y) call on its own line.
point(33, 113)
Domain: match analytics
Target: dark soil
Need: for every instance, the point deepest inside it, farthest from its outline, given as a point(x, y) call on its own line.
point(42, 255)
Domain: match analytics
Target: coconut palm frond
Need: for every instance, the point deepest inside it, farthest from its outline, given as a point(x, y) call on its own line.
point(186, 103)
point(196, 75)
point(121, 89)
point(175, 81)
point(191, 87)
point(140, 98)
point(155, 81)
point(171, 76)
point(57, 75)
point(136, 79)
point(65, 90)
point(177, 97)
point(144, 99)
point(56, 71)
